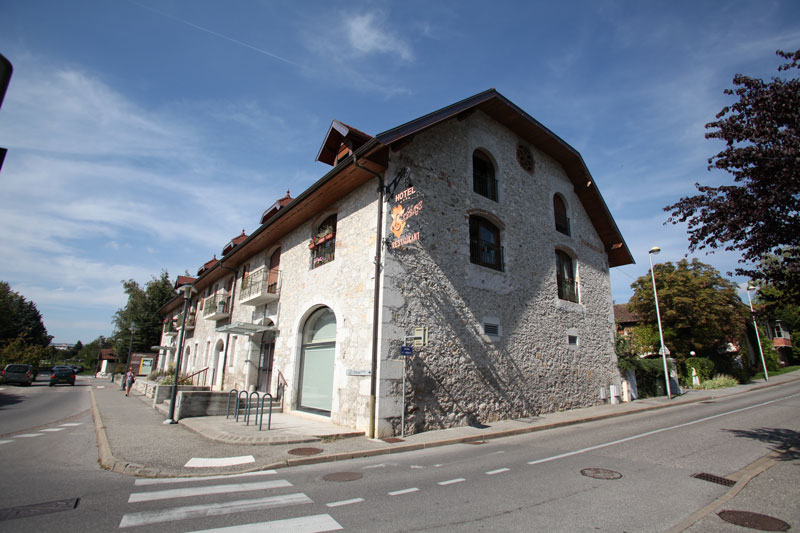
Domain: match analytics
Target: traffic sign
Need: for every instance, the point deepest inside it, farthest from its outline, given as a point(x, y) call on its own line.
point(406, 351)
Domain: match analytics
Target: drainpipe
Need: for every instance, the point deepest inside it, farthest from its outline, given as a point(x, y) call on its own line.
point(373, 385)
point(227, 335)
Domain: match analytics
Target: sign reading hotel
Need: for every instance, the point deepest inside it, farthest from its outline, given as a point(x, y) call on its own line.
point(408, 204)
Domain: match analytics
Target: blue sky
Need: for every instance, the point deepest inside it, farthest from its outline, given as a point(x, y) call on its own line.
point(144, 135)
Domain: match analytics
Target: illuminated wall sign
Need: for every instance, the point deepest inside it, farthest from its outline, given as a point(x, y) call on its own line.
point(408, 205)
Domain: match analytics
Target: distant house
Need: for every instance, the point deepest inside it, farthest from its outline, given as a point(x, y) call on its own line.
point(473, 235)
point(625, 319)
point(108, 361)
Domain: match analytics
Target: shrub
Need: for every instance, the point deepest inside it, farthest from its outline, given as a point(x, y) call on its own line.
point(720, 381)
point(703, 366)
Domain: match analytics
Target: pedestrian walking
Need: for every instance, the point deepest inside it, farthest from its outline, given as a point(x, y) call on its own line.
point(130, 379)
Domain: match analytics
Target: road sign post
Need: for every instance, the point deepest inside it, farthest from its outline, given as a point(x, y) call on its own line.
point(405, 351)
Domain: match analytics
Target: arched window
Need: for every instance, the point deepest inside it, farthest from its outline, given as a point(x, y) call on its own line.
point(484, 243)
point(560, 212)
point(317, 361)
point(323, 242)
point(483, 180)
point(565, 277)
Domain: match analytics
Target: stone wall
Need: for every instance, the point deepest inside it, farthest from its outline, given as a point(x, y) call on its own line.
point(464, 376)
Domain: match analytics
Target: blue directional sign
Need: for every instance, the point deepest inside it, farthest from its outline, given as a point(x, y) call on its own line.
point(406, 351)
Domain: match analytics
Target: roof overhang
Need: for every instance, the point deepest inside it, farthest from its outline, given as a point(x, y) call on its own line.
point(243, 328)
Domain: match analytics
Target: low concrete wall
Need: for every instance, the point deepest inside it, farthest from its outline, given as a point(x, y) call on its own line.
point(162, 393)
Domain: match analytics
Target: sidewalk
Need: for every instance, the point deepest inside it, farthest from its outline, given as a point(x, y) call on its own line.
point(132, 438)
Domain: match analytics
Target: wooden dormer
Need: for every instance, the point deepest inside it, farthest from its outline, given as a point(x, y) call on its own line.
point(340, 142)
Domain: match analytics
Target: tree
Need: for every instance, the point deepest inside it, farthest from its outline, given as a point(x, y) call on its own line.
point(759, 215)
point(700, 310)
point(20, 320)
point(89, 353)
point(141, 311)
point(772, 303)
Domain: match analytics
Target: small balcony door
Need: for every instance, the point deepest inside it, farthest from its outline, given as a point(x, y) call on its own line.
point(266, 357)
point(274, 271)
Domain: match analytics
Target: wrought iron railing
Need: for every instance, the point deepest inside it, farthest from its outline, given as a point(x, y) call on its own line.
point(486, 254)
point(216, 303)
point(260, 282)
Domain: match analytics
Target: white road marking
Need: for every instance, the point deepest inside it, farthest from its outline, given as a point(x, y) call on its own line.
point(496, 453)
point(498, 471)
point(654, 432)
point(374, 466)
point(452, 481)
point(28, 435)
point(5, 441)
point(215, 462)
point(101, 386)
point(404, 491)
point(306, 524)
point(71, 424)
point(54, 429)
point(211, 509)
point(206, 490)
point(345, 502)
point(165, 480)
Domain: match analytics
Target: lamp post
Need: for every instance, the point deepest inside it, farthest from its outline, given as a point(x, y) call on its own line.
point(653, 251)
point(128, 364)
point(187, 290)
point(758, 337)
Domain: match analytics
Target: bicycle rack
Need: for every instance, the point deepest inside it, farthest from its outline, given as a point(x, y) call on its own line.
point(239, 401)
point(249, 403)
point(269, 420)
point(228, 408)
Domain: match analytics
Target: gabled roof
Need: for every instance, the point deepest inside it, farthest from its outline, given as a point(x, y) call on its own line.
point(338, 134)
point(507, 113)
point(624, 315)
point(277, 206)
point(184, 280)
point(233, 242)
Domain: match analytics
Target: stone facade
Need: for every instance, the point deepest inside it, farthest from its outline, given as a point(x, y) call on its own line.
point(500, 342)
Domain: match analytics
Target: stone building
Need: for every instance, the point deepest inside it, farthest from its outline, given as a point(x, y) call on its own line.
point(473, 234)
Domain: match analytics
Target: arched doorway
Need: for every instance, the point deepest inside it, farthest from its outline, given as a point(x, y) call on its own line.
point(265, 360)
point(317, 361)
point(217, 362)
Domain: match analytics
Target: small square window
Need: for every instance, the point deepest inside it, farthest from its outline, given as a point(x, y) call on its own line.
point(572, 340)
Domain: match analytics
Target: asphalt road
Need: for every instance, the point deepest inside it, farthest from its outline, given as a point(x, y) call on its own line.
point(533, 482)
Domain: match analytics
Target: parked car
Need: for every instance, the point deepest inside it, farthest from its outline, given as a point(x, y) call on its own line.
point(62, 374)
point(77, 368)
point(18, 373)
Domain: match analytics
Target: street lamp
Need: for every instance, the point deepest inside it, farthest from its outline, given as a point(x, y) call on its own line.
point(187, 289)
point(654, 251)
point(128, 365)
point(758, 337)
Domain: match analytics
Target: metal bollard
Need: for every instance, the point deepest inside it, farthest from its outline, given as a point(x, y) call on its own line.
point(239, 401)
point(249, 403)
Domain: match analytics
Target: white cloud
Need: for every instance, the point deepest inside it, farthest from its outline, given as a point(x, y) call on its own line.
point(366, 35)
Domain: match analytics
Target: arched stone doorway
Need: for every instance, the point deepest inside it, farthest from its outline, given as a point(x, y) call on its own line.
point(317, 361)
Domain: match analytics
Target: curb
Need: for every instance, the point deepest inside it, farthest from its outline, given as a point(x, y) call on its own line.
point(109, 462)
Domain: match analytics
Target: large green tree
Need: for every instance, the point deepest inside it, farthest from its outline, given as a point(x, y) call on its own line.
point(19, 319)
point(141, 312)
point(758, 215)
point(700, 310)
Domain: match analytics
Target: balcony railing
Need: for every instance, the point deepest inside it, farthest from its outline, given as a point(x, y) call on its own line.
point(190, 321)
point(262, 286)
point(486, 254)
point(169, 328)
point(217, 306)
point(567, 289)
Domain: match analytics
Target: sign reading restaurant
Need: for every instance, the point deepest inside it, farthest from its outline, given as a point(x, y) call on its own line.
point(408, 204)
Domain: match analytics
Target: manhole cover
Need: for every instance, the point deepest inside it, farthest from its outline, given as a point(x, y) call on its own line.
point(757, 521)
point(305, 451)
point(600, 473)
point(342, 476)
point(392, 440)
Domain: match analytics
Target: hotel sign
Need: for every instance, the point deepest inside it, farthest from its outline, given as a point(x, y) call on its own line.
point(408, 204)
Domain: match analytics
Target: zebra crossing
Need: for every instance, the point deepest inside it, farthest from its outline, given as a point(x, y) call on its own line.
point(181, 494)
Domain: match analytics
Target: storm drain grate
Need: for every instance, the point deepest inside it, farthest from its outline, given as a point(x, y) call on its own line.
point(715, 479)
point(305, 451)
point(757, 521)
point(342, 476)
point(600, 473)
point(25, 511)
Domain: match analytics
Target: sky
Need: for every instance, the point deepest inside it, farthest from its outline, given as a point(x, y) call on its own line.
point(144, 135)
